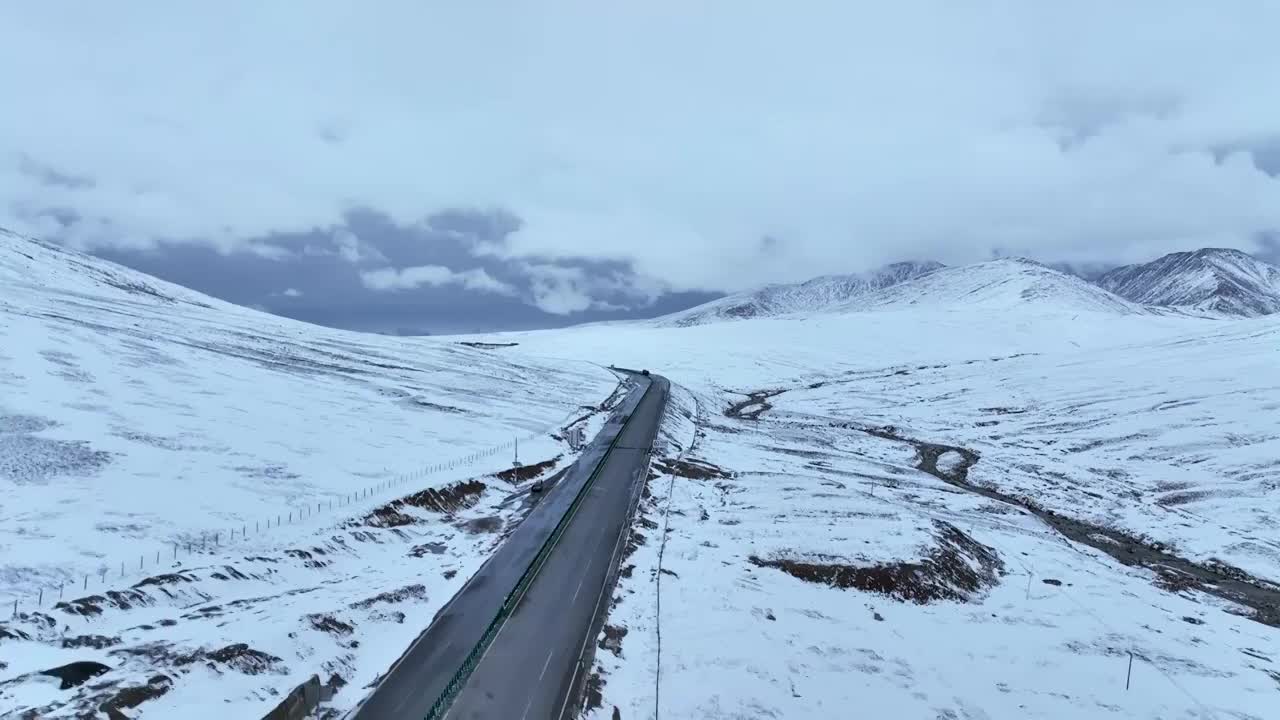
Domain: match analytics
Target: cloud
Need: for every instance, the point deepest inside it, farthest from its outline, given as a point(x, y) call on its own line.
point(563, 290)
point(292, 292)
point(435, 276)
point(671, 136)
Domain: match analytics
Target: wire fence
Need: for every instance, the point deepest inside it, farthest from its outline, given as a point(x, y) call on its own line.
point(207, 541)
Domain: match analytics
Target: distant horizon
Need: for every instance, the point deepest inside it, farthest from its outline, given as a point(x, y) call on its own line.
point(522, 322)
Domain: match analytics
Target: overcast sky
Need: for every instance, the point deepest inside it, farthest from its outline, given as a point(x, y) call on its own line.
point(544, 162)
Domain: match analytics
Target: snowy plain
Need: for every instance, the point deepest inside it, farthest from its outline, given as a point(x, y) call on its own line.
point(138, 418)
point(783, 533)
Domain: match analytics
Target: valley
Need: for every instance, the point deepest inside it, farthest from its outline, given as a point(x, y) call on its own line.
point(975, 492)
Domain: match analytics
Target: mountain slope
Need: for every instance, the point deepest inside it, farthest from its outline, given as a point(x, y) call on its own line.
point(138, 419)
point(817, 294)
point(1216, 280)
point(998, 284)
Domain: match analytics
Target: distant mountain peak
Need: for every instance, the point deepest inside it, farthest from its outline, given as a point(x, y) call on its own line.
point(1216, 280)
point(999, 284)
point(811, 295)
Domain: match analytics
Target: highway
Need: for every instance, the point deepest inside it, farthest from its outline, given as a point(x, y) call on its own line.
point(532, 668)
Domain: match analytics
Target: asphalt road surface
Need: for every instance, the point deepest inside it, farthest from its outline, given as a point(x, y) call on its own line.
point(559, 608)
point(533, 668)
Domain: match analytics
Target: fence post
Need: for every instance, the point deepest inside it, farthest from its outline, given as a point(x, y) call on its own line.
point(40, 601)
point(1129, 676)
point(86, 581)
point(60, 591)
point(139, 562)
point(121, 568)
point(15, 607)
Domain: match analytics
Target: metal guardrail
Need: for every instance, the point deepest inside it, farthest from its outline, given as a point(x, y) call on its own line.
point(459, 679)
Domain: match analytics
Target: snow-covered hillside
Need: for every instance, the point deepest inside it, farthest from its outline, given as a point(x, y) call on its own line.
point(1214, 280)
point(1208, 281)
point(809, 296)
point(138, 419)
point(1011, 283)
point(998, 284)
point(972, 510)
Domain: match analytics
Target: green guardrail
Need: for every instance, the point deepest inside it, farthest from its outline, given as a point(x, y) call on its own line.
point(459, 679)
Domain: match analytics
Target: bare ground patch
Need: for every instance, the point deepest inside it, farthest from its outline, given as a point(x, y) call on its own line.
point(447, 500)
point(957, 568)
point(518, 475)
point(391, 597)
point(692, 469)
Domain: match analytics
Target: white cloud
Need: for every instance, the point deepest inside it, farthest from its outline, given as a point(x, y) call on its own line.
point(669, 133)
point(292, 292)
point(564, 290)
point(436, 276)
point(355, 251)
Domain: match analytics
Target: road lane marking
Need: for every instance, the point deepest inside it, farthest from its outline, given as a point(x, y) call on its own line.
point(545, 664)
point(575, 592)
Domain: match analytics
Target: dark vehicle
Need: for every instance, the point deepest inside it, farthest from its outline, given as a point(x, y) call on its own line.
point(644, 373)
point(536, 487)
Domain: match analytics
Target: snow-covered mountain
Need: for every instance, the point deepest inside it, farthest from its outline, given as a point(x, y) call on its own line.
point(1208, 282)
point(995, 285)
point(1214, 280)
point(1089, 271)
point(814, 295)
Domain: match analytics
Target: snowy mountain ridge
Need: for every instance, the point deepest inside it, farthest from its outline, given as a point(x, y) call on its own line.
point(816, 294)
point(996, 285)
point(1215, 280)
point(1211, 281)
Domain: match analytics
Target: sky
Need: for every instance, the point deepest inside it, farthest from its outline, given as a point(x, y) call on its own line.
point(447, 166)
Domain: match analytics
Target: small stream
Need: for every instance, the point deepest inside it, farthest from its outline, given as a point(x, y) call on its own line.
point(1175, 573)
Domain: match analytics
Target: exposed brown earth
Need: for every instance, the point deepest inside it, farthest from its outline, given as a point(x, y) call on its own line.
point(692, 469)
point(957, 569)
point(517, 475)
point(417, 592)
point(447, 500)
